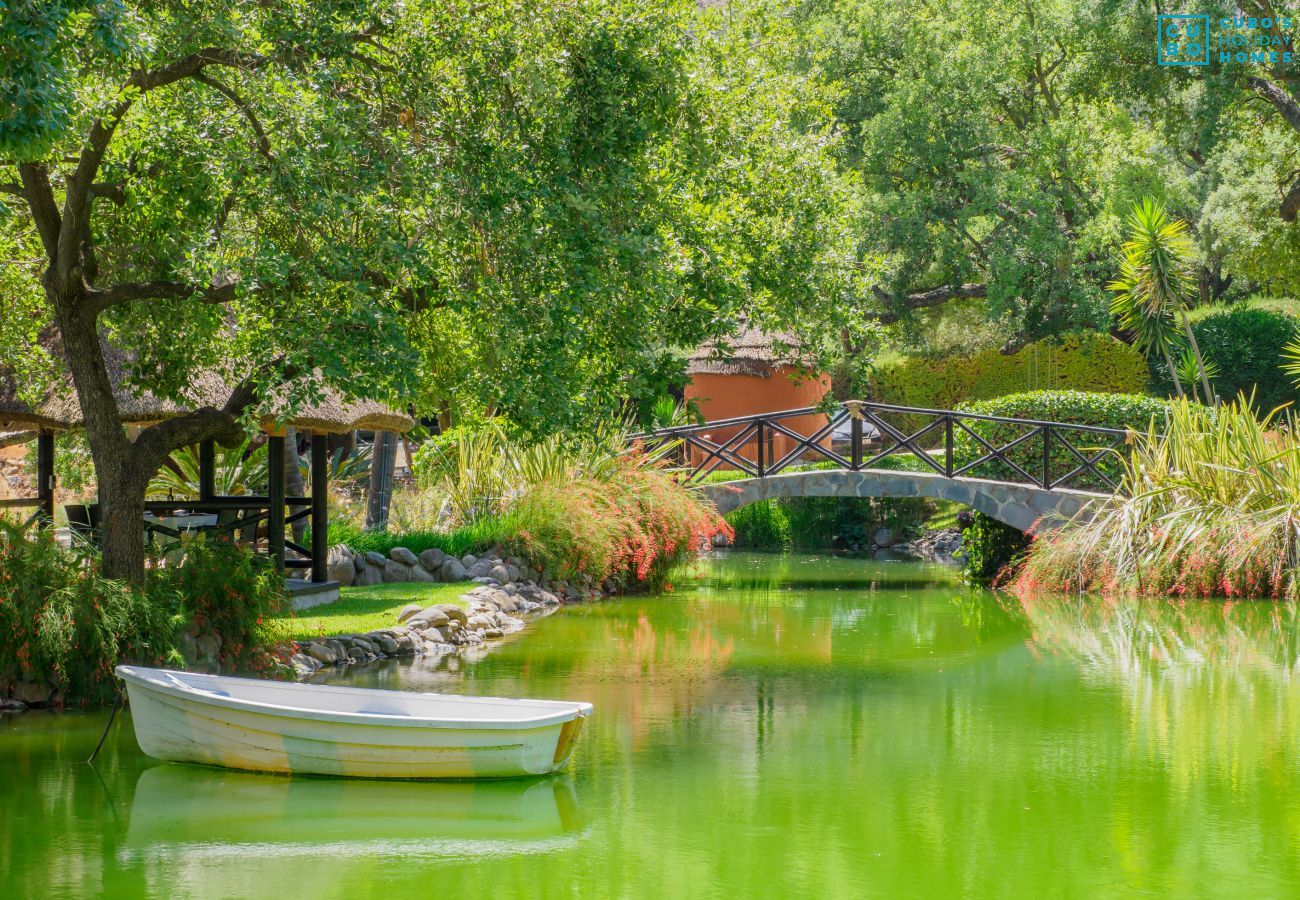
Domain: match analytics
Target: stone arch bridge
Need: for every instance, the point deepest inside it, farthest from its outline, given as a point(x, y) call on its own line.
point(1022, 472)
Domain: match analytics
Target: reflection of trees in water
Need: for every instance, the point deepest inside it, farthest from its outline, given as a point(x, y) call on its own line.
point(1209, 683)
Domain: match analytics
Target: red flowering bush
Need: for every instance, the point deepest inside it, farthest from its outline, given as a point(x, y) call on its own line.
point(633, 525)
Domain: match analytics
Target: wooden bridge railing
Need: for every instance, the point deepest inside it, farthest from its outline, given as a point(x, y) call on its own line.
point(858, 435)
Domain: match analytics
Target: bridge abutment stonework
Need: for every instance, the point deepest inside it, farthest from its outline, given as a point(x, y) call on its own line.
point(1018, 505)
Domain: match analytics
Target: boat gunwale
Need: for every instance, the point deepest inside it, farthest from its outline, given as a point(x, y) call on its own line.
point(132, 676)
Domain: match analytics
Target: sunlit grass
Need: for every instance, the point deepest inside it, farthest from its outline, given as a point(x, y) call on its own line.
point(368, 608)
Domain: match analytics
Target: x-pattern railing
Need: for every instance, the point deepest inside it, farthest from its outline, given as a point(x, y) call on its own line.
point(950, 443)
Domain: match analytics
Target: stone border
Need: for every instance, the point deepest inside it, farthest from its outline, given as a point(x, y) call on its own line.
point(501, 597)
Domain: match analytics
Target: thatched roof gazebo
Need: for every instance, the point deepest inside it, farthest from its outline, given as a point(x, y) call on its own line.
point(59, 411)
point(753, 352)
point(750, 373)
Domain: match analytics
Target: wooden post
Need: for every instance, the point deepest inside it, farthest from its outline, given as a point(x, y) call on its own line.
point(275, 499)
point(758, 456)
point(855, 448)
point(320, 477)
point(1047, 457)
point(207, 470)
point(45, 476)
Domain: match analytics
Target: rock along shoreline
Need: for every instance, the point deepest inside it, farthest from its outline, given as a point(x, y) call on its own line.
point(502, 596)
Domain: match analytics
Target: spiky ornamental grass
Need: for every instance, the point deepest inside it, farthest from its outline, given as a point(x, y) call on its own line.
point(1208, 505)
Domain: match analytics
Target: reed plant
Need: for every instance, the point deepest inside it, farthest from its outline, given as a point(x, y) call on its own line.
point(1208, 505)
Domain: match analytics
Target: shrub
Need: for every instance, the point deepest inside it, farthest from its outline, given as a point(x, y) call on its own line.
point(764, 525)
point(225, 592)
point(1208, 507)
point(988, 547)
point(64, 625)
point(1089, 361)
point(1122, 411)
point(633, 527)
point(1246, 344)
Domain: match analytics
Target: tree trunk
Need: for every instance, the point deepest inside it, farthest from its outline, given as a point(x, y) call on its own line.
point(382, 461)
point(1210, 399)
point(1173, 372)
point(293, 482)
point(121, 523)
point(119, 472)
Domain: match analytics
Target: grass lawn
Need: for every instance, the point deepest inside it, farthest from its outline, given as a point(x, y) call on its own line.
point(361, 609)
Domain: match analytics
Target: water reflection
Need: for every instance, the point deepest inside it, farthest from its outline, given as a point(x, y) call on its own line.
point(183, 810)
point(753, 738)
point(1208, 684)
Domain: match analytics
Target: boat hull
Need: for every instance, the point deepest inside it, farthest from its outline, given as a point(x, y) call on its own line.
point(180, 729)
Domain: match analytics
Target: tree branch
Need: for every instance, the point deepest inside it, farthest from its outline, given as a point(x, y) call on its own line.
point(1281, 100)
point(136, 291)
point(897, 307)
point(40, 199)
point(76, 206)
point(263, 142)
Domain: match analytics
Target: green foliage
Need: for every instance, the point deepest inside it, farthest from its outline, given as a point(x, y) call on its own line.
point(820, 523)
point(764, 525)
point(1248, 346)
point(1122, 411)
point(1000, 167)
point(1087, 361)
point(989, 547)
point(610, 181)
point(1208, 505)
point(63, 624)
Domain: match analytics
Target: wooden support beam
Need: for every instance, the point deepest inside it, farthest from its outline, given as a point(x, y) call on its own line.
point(320, 479)
point(275, 499)
point(207, 470)
point(45, 476)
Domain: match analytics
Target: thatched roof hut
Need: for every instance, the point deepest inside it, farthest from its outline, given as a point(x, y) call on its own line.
point(60, 411)
point(751, 352)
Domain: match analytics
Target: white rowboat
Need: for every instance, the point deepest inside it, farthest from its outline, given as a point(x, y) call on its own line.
point(274, 726)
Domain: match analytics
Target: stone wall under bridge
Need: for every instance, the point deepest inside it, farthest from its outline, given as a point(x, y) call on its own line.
point(1020, 506)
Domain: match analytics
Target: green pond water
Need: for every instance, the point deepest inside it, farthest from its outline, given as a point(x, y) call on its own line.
point(777, 727)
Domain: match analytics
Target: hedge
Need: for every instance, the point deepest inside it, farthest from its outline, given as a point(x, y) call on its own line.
point(1121, 411)
point(1088, 361)
point(1246, 345)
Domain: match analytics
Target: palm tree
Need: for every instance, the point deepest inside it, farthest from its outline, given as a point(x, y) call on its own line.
point(1155, 280)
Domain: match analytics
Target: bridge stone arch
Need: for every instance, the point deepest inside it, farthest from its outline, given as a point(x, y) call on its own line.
point(1018, 505)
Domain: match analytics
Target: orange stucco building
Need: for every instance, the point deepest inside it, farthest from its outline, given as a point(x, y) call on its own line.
point(755, 373)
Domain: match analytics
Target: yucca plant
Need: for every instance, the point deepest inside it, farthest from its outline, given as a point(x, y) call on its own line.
point(1153, 286)
point(1208, 505)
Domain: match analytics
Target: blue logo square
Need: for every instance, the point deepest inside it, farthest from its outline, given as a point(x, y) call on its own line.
point(1183, 40)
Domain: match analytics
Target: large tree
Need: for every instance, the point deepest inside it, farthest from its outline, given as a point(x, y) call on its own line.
point(204, 188)
point(615, 181)
point(537, 198)
point(997, 154)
